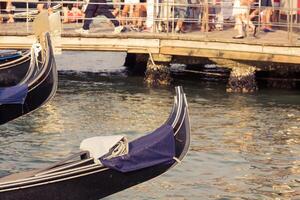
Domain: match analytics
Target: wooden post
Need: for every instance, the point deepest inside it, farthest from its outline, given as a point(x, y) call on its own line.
point(158, 70)
point(242, 80)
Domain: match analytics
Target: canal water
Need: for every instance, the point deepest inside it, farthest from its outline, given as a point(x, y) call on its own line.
point(243, 146)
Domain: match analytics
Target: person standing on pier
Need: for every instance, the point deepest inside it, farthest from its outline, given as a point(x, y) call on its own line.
point(98, 7)
point(241, 13)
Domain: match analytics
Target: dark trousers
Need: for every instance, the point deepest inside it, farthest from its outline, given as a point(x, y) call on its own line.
point(93, 10)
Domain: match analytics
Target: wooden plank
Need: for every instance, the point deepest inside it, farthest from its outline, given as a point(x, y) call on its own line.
point(130, 45)
point(293, 51)
point(112, 42)
point(16, 42)
point(168, 47)
point(82, 43)
point(235, 55)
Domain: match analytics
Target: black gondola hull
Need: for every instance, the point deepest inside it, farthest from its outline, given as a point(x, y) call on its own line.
point(11, 75)
point(40, 89)
point(99, 183)
point(34, 100)
point(96, 181)
point(89, 187)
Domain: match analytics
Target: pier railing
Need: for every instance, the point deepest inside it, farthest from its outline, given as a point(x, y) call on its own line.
point(171, 17)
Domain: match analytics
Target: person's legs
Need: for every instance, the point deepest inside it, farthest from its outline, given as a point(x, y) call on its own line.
point(117, 8)
point(142, 13)
point(103, 10)
point(268, 18)
point(181, 14)
point(65, 11)
point(9, 9)
point(179, 25)
point(253, 14)
point(40, 7)
point(1, 7)
point(247, 25)
point(239, 27)
point(267, 12)
point(136, 14)
point(219, 17)
point(89, 14)
point(124, 14)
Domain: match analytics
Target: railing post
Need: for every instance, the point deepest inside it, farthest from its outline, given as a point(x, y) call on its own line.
point(173, 17)
point(168, 13)
point(289, 20)
point(27, 16)
point(155, 17)
point(62, 18)
point(259, 16)
point(206, 18)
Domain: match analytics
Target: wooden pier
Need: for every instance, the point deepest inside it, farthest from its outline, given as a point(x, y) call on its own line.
point(279, 50)
point(267, 47)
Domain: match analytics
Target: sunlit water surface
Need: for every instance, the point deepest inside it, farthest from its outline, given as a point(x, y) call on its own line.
point(243, 146)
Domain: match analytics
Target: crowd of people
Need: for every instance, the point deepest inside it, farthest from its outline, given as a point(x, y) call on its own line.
point(178, 16)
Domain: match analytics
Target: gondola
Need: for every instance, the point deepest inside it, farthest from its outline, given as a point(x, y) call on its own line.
point(36, 88)
point(14, 65)
point(107, 164)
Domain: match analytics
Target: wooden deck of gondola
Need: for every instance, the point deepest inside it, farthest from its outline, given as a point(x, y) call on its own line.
point(278, 46)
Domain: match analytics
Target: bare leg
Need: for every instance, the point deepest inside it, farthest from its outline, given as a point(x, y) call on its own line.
point(135, 14)
point(10, 18)
point(65, 14)
point(239, 27)
point(268, 18)
point(142, 14)
point(40, 7)
point(263, 20)
point(179, 25)
point(124, 14)
point(9, 8)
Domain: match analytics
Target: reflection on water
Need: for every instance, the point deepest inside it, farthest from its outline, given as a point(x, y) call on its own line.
point(243, 146)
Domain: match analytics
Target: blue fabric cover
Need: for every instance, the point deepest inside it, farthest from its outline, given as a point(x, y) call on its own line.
point(9, 57)
point(13, 95)
point(155, 148)
point(8, 54)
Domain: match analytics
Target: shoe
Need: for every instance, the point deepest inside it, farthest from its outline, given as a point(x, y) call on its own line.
point(119, 29)
point(238, 37)
point(267, 30)
point(82, 31)
point(148, 30)
point(135, 29)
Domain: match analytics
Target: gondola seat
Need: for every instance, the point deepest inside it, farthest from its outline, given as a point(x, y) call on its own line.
point(13, 95)
point(152, 149)
point(100, 145)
